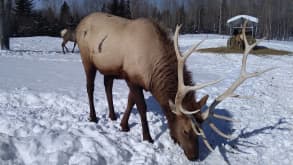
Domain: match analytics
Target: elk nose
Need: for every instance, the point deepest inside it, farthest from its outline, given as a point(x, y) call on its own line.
point(192, 157)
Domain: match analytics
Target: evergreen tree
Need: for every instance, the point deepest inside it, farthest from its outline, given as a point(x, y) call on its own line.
point(120, 8)
point(23, 17)
point(127, 12)
point(104, 8)
point(49, 14)
point(65, 15)
point(114, 7)
point(180, 14)
point(23, 7)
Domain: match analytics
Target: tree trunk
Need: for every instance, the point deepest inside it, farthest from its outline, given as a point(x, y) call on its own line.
point(5, 6)
point(220, 18)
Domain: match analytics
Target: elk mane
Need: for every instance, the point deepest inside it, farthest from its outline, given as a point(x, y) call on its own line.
point(164, 80)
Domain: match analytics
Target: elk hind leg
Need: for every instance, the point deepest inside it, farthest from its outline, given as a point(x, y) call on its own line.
point(90, 85)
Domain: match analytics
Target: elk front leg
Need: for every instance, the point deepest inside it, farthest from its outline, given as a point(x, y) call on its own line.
point(141, 107)
point(124, 122)
point(108, 82)
point(90, 85)
point(67, 50)
point(64, 46)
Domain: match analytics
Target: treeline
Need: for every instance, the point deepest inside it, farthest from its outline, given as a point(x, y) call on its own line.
point(27, 21)
point(197, 16)
point(210, 16)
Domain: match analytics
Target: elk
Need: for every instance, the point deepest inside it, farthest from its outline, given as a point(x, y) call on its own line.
point(142, 54)
point(68, 35)
point(239, 40)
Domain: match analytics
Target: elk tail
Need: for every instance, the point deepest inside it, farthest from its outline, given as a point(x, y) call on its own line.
point(63, 32)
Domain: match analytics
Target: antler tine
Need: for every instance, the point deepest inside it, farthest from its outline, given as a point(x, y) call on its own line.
point(230, 91)
point(200, 86)
point(248, 48)
point(198, 131)
point(219, 132)
point(178, 27)
point(224, 118)
point(188, 52)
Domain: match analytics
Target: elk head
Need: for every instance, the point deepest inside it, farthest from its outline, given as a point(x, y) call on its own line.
point(190, 120)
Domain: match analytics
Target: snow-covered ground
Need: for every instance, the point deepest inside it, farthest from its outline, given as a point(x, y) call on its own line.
point(44, 110)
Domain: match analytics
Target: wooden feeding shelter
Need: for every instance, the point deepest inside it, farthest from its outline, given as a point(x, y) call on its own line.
point(236, 23)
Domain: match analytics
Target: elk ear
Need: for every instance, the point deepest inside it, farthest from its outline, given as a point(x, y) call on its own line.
point(203, 100)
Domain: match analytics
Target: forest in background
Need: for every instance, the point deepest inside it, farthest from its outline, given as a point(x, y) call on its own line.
point(48, 17)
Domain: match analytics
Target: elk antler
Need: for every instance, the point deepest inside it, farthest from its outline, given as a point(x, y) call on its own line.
point(209, 113)
point(244, 75)
point(182, 88)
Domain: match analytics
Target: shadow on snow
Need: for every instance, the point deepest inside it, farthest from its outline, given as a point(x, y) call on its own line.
point(238, 144)
point(213, 138)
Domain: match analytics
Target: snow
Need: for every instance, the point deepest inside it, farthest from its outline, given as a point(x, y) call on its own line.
point(44, 110)
point(248, 17)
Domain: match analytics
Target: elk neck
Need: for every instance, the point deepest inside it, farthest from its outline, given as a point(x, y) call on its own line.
point(164, 81)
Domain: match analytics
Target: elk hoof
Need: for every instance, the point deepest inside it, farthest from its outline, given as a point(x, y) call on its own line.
point(93, 119)
point(147, 137)
point(150, 140)
point(113, 117)
point(124, 128)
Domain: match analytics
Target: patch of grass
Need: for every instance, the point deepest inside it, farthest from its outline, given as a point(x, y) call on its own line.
point(258, 50)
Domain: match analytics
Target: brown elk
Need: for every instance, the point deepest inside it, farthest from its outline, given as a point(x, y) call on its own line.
point(239, 40)
point(142, 54)
point(68, 35)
